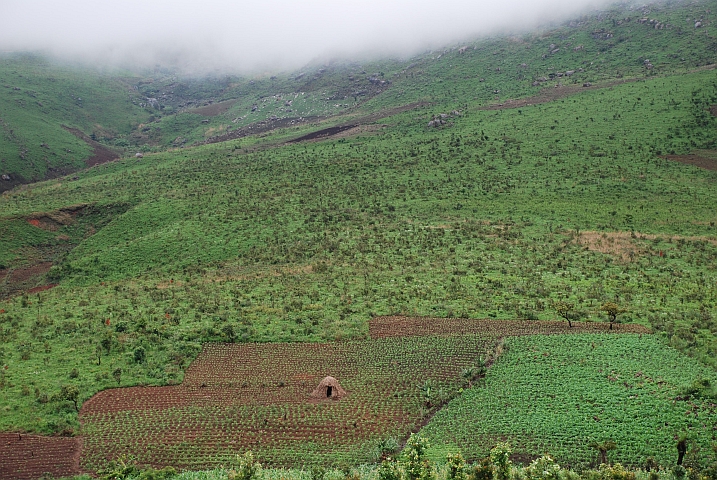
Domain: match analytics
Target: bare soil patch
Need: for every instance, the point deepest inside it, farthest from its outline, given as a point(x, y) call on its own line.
point(627, 245)
point(22, 275)
point(386, 327)
point(261, 127)
point(550, 94)
point(27, 457)
point(706, 159)
point(324, 133)
point(214, 109)
point(42, 288)
point(342, 130)
point(100, 153)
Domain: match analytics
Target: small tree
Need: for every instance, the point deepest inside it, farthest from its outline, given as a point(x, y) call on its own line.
point(428, 393)
point(681, 449)
point(72, 394)
point(603, 448)
point(564, 309)
point(117, 374)
point(469, 374)
point(612, 310)
point(139, 354)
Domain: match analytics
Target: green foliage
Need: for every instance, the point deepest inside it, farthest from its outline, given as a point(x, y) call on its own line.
point(500, 458)
point(456, 465)
point(543, 468)
point(70, 393)
point(247, 468)
point(483, 470)
point(415, 462)
point(390, 470)
point(612, 310)
point(120, 469)
point(572, 391)
point(385, 448)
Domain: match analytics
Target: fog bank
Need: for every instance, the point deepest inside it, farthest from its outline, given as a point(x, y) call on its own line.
point(264, 35)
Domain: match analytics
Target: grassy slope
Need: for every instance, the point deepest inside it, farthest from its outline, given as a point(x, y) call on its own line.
point(39, 97)
point(306, 241)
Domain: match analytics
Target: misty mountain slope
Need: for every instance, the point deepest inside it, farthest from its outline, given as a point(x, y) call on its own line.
point(161, 110)
point(588, 198)
point(38, 98)
point(626, 41)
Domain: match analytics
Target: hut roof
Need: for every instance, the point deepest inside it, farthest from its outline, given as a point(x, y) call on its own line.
point(321, 391)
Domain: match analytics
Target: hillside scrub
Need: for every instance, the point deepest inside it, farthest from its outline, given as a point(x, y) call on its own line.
point(306, 242)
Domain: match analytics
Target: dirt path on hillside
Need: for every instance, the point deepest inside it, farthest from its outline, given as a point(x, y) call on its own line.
point(550, 94)
point(343, 129)
point(100, 153)
point(706, 159)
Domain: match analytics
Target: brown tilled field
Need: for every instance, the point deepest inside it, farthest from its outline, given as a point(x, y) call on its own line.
point(27, 457)
point(258, 397)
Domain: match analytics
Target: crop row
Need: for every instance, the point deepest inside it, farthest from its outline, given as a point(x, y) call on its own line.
point(558, 395)
point(31, 456)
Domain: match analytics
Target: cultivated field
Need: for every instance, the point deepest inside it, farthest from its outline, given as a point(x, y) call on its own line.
point(27, 457)
point(258, 397)
point(560, 395)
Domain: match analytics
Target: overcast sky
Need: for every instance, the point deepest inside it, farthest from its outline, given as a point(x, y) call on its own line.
point(244, 36)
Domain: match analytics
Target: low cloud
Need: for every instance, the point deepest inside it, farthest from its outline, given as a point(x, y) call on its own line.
point(263, 35)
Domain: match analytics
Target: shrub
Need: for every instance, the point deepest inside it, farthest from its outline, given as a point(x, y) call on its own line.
point(543, 468)
point(500, 458)
point(456, 466)
point(416, 464)
point(483, 470)
point(247, 468)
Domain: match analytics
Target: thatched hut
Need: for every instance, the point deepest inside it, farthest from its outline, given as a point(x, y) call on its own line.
point(329, 388)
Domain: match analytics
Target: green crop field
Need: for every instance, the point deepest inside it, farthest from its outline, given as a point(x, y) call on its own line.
point(558, 395)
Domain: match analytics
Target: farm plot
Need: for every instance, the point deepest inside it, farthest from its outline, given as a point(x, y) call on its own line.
point(239, 397)
point(559, 395)
point(26, 457)
point(384, 327)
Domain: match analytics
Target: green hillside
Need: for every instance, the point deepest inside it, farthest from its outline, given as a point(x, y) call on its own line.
point(457, 183)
